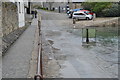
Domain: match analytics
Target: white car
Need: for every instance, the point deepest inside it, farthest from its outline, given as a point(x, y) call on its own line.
point(82, 15)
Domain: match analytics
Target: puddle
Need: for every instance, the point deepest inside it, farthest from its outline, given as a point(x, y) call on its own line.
point(105, 36)
point(105, 47)
point(106, 42)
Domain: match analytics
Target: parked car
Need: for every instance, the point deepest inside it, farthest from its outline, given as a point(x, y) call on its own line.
point(70, 12)
point(82, 15)
point(88, 12)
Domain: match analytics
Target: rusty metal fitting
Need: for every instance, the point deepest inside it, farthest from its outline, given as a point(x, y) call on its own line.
point(38, 77)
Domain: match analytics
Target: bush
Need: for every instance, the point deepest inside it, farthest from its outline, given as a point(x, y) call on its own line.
point(112, 12)
point(102, 9)
point(41, 8)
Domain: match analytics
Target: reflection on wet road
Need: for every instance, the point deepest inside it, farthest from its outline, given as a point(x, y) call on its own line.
point(75, 60)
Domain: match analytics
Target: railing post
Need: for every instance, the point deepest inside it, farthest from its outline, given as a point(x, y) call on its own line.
point(38, 77)
point(87, 36)
point(39, 22)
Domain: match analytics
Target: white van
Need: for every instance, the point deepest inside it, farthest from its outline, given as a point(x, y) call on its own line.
point(82, 15)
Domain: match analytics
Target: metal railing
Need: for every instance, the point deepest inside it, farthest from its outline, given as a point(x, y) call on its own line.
point(39, 72)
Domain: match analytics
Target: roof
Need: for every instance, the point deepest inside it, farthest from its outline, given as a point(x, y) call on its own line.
point(77, 9)
point(79, 12)
point(84, 10)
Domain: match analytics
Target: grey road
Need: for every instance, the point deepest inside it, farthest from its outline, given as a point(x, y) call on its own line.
point(69, 58)
point(49, 15)
point(15, 63)
point(62, 44)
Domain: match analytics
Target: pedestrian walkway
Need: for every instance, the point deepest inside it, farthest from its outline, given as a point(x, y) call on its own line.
point(16, 60)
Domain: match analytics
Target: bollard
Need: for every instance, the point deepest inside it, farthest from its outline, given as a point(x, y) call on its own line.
point(59, 9)
point(74, 21)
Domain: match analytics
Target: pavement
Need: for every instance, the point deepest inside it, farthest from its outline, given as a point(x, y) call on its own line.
point(63, 47)
point(16, 62)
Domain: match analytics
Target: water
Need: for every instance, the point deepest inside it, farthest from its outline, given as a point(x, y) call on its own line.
point(103, 35)
point(105, 47)
point(105, 41)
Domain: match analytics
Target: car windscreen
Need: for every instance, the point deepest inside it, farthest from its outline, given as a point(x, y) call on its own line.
point(76, 10)
point(87, 11)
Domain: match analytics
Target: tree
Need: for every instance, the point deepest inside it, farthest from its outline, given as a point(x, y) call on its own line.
point(97, 7)
point(113, 11)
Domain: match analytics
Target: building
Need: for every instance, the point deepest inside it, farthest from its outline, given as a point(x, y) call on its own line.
point(9, 17)
point(59, 6)
point(73, 4)
point(21, 13)
point(14, 20)
point(14, 14)
point(23, 8)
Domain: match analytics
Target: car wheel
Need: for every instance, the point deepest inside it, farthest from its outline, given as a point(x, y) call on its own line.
point(77, 19)
point(91, 18)
point(70, 16)
point(87, 18)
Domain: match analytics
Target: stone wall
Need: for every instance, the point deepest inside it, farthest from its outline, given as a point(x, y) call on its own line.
point(112, 23)
point(0, 19)
point(75, 5)
point(54, 5)
point(0, 40)
point(0, 28)
point(10, 29)
point(9, 18)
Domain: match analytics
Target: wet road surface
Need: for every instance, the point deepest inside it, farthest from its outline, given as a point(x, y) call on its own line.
point(68, 58)
point(74, 60)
